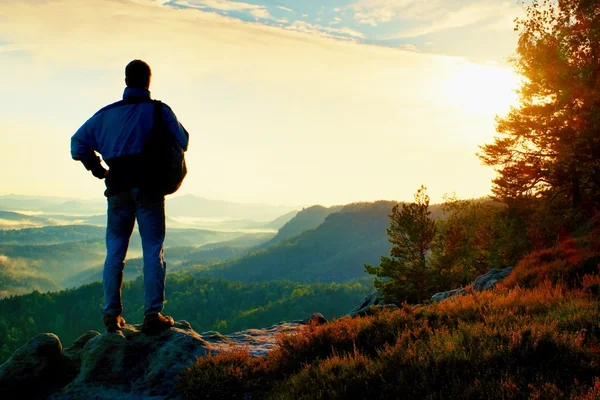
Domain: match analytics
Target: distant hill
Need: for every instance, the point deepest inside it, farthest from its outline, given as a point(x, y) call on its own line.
point(279, 222)
point(183, 212)
point(13, 220)
point(13, 216)
point(308, 218)
point(133, 269)
point(335, 251)
point(55, 205)
point(178, 258)
point(56, 261)
point(194, 206)
point(51, 235)
point(246, 240)
point(66, 256)
point(17, 277)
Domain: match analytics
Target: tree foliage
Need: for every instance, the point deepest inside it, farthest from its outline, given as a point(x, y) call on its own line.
point(552, 141)
point(403, 276)
point(475, 236)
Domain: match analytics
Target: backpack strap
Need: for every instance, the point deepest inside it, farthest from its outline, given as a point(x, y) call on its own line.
point(158, 111)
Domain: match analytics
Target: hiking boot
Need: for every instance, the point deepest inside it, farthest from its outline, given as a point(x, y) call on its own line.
point(155, 323)
point(113, 323)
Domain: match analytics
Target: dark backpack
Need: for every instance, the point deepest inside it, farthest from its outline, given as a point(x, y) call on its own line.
point(164, 159)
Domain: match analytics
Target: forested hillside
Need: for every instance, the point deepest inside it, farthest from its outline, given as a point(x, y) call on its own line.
point(178, 258)
point(335, 251)
point(55, 257)
point(308, 218)
point(12, 220)
point(18, 277)
point(51, 235)
point(55, 262)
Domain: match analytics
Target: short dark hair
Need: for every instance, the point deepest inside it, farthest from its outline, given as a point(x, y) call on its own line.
point(138, 74)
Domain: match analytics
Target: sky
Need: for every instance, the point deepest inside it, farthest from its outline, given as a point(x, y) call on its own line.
point(287, 102)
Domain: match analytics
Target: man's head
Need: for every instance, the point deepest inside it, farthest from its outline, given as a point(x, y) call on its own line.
point(138, 74)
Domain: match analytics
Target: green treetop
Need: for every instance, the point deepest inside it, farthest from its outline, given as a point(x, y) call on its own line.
point(403, 276)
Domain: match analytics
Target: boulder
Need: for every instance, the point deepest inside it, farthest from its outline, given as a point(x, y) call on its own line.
point(438, 297)
point(122, 365)
point(481, 283)
point(36, 369)
point(364, 307)
point(487, 281)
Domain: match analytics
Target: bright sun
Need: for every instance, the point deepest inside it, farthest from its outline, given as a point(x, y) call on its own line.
point(482, 89)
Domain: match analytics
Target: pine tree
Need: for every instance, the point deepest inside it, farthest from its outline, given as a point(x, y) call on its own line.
point(404, 275)
point(551, 143)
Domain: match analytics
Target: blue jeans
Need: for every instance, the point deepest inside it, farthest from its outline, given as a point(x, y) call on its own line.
point(123, 209)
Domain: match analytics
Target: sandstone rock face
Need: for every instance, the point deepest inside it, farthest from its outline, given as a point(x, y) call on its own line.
point(36, 369)
point(483, 282)
point(123, 365)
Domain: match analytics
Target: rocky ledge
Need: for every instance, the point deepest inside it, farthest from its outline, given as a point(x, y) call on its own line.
point(375, 301)
point(122, 365)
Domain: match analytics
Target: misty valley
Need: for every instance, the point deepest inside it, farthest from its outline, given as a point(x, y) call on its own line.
point(256, 266)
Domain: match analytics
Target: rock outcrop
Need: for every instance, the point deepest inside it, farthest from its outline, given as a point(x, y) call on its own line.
point(123, 365)
point(483, 282)
point(375, 301)
point(438, 297)
point(489, 280)
point(369, 304)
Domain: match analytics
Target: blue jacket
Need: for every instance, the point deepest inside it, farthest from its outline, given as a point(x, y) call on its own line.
point(118, 133)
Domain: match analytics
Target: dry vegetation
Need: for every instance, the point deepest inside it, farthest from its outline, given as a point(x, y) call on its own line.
point(534, 337)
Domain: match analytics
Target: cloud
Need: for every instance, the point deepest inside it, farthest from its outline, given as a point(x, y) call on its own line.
point(261, 14)
point(373, 12)
point(409, 47)
point(319, 30)
point(345, 31)
point(285, 8)
point(426, 17)
point(9, 48)
point(258, 101)
point(336, 21)
point(471, 14)
point(255, 10)
point(225, 5)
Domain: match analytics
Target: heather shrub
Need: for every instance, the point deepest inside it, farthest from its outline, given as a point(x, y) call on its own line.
point(520, 346)
point(337, 377)
point(566, 262)
point(536, 336)
point(591, 393)
point(227, 375)
point(314, 343)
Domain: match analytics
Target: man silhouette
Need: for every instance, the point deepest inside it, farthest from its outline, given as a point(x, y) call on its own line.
point(118, 133)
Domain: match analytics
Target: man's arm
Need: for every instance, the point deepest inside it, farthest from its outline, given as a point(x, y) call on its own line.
point(174, 126)
point(83, 149)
